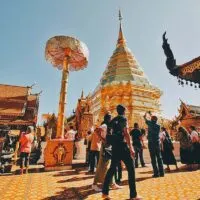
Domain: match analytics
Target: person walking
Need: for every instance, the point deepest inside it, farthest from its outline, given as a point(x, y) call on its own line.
point(94, 150)
point(167, 149)
point(138, 144)
point(154, 144)
point(104, 157)
point(25, 142)
point(121, 150)
point(88, 145)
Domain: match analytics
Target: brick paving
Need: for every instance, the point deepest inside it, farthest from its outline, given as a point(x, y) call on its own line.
point(75, 184)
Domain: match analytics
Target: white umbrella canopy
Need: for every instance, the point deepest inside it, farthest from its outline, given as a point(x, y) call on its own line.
point(59, 47)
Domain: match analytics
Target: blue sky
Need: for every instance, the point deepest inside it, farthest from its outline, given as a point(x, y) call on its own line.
point(25, 26)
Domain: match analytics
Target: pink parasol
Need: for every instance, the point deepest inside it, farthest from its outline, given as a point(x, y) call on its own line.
point(59, 47)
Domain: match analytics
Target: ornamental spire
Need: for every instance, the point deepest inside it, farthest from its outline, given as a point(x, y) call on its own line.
point(82, 95)
point(121, 40)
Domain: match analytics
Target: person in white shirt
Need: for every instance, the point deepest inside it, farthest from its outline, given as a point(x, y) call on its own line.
point(70, 135)
point(196, 145)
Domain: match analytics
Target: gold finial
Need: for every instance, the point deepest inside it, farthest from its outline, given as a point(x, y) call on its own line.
point(120, 16)
point(121, 39)
point(82, 96)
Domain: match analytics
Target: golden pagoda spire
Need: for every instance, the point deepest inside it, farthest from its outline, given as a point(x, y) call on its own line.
point(82, 95)
point(121, 40)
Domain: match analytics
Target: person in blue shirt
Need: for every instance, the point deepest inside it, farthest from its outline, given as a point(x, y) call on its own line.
point(154, 144)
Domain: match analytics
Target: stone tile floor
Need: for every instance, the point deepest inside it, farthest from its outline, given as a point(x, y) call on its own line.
point(75, 184)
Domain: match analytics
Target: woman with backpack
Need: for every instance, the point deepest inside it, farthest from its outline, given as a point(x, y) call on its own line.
point(167, 149)
point(104, 157)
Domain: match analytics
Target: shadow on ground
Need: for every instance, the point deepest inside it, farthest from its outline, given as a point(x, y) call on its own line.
point(66, 173)
point(181, 169)
point(73, 193)
point(75, 179)
point(30, 171)
point(82, 192)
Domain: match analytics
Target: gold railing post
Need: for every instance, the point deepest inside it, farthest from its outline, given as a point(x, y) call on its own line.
point(62, 102)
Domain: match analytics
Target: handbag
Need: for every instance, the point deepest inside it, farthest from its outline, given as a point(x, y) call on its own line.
point(107, 153)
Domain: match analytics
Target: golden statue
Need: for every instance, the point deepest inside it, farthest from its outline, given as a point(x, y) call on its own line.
point(60, 154)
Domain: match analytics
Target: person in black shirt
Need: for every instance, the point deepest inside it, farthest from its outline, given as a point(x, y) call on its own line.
point(121, 150)
point(154, 145)
point(137, 144)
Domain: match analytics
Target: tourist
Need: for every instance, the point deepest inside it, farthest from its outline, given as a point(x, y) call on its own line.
point(121, 150)
point(88, 145)
point(70, 134)
point(25, 141)
point(185, 147)
point(138, 144)
point(154, 144)
point(196, 144)
point(94, 150)
point(104, 157)
point(167, 149)
point(77, 145)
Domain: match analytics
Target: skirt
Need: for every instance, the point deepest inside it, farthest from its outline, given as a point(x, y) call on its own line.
point(196, 153)
point(186, 156)
point(168, 156)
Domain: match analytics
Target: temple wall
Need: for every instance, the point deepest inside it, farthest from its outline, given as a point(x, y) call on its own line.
point(137, 102)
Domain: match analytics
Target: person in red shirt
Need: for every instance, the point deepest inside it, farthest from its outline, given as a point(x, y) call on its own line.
point(25, 141)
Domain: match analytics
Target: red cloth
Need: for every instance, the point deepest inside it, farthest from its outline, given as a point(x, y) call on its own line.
point(25, 142)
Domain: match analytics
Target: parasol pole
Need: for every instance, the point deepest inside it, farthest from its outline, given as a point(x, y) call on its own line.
point(62, 102)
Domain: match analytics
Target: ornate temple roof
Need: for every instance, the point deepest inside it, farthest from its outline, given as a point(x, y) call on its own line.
point(187, 72)
point(13, 99)
point(123, 66)
point(17, 105)
point(32, 101)
point(194, 110)
point(188, 110)
point(13, 92)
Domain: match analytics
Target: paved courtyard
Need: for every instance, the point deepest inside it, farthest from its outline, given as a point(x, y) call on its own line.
point(75, 184)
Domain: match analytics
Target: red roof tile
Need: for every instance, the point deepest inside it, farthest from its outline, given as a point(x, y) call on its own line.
point(11, 108)
point(13, 92)
point(32, 100)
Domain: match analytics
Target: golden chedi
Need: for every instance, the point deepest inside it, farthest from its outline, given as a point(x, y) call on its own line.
point(124, 82)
